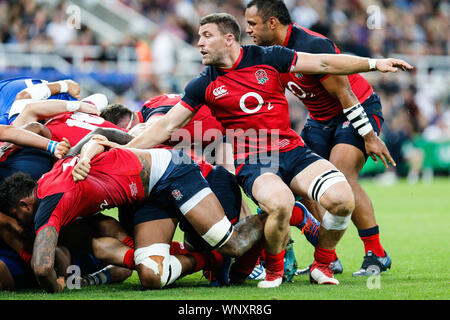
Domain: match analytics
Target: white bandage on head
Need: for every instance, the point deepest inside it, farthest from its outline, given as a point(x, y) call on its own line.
point(219, 233)
point(334, 222)
point(63, 86)
point(73, 106)
point(171, 266)
point(322, 182)
point(39, 91)
point(358, 118)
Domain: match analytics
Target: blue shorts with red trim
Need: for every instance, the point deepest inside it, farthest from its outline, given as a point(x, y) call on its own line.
point(322, 136)
point(286, 165)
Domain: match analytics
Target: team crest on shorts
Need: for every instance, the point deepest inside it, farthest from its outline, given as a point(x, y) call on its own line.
point(345, 124)
point(177, 194)
point(261, 76)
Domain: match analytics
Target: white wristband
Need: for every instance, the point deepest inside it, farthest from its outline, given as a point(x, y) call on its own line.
point(63, 85)
point(73, 106)
point(39, 91)
point(372, 64)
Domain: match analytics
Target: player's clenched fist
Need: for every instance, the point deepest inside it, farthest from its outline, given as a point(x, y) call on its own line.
point(81, 169)
point(62, 148)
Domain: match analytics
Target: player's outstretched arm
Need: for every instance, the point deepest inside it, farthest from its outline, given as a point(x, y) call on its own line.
point(42, 91)
point(111, 134)
point(41, 110)
point(26, 138)
point(343, 64)
point(163, 128)
point(43, 260)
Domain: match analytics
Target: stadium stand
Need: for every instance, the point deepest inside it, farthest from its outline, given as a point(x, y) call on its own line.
point(135, 49)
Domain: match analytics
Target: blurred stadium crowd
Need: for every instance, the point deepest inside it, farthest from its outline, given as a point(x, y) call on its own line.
point(414, 104)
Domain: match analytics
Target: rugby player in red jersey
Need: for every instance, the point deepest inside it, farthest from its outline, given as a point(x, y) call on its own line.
point(345, 115)
point(241, 86)
point(155, 179)
point(203, 130)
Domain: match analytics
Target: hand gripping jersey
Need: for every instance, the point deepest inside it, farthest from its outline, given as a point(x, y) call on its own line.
point(203, 127)
point(108, 185)
point(75, 126)
point(249, 100)
point(308, 88)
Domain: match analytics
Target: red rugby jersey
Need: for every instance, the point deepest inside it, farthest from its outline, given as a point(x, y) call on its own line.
point(75, 126)
point(248, 100)
point(108, 185)
point(307, 87)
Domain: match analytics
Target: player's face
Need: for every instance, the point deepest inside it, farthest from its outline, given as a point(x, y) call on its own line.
point(212, 44)
point(24, 212)
point(257, 29)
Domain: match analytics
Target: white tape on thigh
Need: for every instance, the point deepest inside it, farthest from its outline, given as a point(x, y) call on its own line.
point(39, 91)
point(322, 182)
point(194, 200)
point(334, 222)
point(219, 233)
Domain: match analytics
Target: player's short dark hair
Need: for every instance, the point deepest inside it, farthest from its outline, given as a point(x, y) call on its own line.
point(225, 22)
point(272, 8)
point(14, 188)
point(115, 112)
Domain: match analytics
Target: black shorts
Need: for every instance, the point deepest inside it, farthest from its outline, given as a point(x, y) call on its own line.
point(322, 136)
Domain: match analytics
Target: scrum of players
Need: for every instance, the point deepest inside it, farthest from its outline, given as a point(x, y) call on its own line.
point(182, 161)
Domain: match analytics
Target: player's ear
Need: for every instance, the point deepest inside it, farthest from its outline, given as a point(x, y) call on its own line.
point(229, 39)
point(272, 22)
point(26, 204)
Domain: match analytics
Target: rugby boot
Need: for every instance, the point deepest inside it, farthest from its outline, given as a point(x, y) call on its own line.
point(258, 273)
point(290, 262)
point(309, 226)
point(373, 265)
point(336, 266)
point(322, 274)
point(272, 280)
point(221, 277)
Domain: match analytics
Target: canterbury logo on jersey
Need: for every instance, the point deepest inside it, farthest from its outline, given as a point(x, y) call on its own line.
point(220, 91)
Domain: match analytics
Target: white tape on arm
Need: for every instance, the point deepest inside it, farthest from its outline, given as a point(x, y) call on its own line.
point(63, 86)
point(358, 118)
point(73, 106)
point(39, 91)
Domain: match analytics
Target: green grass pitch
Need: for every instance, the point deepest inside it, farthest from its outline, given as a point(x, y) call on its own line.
point(414, 228)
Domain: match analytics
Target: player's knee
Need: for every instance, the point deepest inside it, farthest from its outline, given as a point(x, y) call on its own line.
point(333, 192)
point(149, 279)
point(156, 267)
point(340, 203)
point(279, 208)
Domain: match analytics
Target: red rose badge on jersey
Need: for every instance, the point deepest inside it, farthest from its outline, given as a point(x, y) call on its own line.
point(261, 76)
